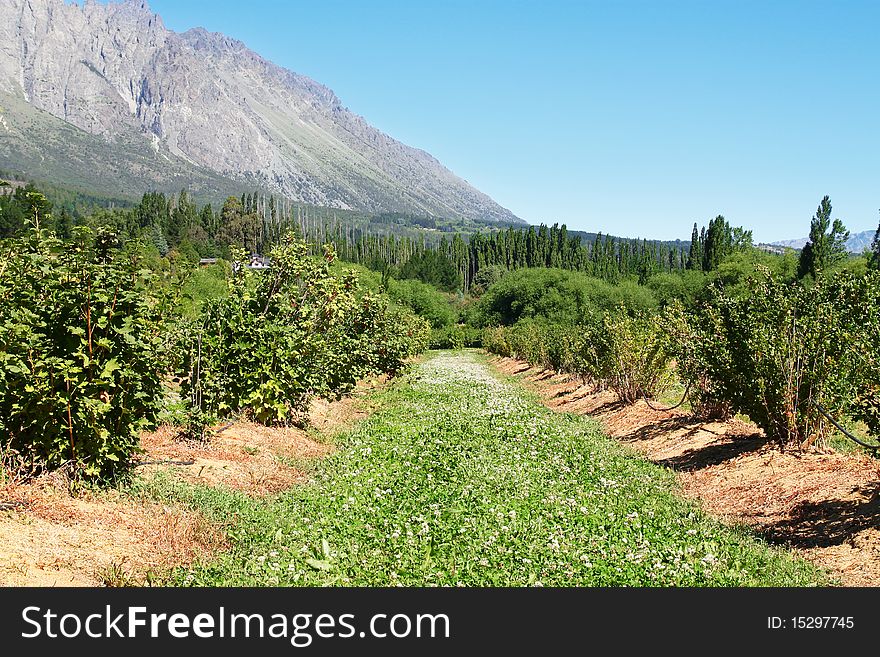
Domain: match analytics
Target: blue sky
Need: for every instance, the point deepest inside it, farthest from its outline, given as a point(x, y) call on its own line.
point(629, 117)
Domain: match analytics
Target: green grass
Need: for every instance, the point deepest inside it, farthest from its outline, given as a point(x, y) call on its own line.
point(463, 479)
point(840, 443)
point(672, 396)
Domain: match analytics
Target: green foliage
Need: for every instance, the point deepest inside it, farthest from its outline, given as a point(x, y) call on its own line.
point(485, 278)
point(432, 267)
point(239, 227)
point(297, 330)
point(202, 284)
point(424, 300)
point(695, 254)
point(81, 350)
point(735, 272)
point(637, 356)
point(824, 248)
point(196, 425)
point(774, 352)
point(557, 296)
point(685, 286)
point(711, 246)
point(874, 255)
point(621, 350)
point(25, 207)
point(157, 239)
point(455, 336)
point(718, 243)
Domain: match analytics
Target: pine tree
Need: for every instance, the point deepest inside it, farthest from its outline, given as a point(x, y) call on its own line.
point(63, 224)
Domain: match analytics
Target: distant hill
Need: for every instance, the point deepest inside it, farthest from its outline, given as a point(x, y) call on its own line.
point(104, 97)
point(590, 238)
point(856, 243)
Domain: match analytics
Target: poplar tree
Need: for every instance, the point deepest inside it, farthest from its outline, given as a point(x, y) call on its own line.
point(824, 247)
point(695, 254)
point(874, 258)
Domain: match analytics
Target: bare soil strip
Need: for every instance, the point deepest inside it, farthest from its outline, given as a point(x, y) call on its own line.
point(824, 505)
point(50, 537)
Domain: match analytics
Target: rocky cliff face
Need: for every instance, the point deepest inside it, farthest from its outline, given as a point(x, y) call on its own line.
point(115, 70)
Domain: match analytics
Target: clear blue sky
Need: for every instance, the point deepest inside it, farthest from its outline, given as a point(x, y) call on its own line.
point(630, 117)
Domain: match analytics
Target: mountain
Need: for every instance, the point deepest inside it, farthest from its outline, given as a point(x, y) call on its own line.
point(798, 243)
point(856, 243)
point(107, 98)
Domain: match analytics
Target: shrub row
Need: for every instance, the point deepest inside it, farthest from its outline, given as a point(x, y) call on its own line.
point(621, 350)
point(82, 351)
point(88, 341)
point(778, 351)
point(281, 337)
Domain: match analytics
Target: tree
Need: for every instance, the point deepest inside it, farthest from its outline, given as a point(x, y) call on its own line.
point(37, 209)
point(824, 248)
point(153, 210)
point(62, 224)
point(742, 239)
point(874, 256)
point(208, 220)
point(237, 226)
point(157, 238)
point(434, 268)
point(486, 277)
point(182, 218)
point(695, 255)
point(718, 244)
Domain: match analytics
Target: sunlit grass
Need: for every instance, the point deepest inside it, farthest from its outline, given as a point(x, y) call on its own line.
point(462, 479)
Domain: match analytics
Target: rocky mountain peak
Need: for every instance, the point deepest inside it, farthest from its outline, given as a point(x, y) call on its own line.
point(114, 70)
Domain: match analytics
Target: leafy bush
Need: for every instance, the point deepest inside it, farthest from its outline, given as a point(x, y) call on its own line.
point(776, 352)
point(624, 351)
point(457, 336)
point(556, 296)
point(424, 300)
point(81, 350)
point(684, 286)
point(637, 356)
point(297, 330)
point(201, 284)
point(485, 278)
point(495, 341)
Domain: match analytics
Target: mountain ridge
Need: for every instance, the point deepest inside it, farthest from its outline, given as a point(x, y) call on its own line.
point(116, 72)
point(856, 243)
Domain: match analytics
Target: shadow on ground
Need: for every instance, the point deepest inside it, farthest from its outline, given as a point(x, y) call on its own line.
point(826, 523)
point(714, 454)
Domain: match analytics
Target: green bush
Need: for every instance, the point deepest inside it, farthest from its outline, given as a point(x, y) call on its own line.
point(624, 351)
point(281, 336)
point(424, 300)
point(684, 286)
point(637, 356)
point(81, 351)
point(457, 336)
point(556, 296)
point(201, 284)
point(775, 352)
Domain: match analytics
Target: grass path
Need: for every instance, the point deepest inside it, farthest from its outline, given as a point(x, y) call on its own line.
point(463, 479)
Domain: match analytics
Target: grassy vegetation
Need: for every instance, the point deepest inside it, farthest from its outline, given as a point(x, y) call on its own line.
point(462, 479)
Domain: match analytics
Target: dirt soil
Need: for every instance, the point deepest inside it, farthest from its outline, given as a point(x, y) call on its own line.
point(826, 506)
point(51, 537)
